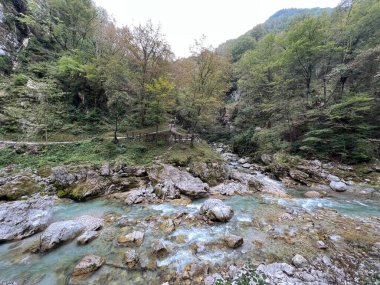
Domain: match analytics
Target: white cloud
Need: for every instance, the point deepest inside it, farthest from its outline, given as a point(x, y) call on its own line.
point(182, 21)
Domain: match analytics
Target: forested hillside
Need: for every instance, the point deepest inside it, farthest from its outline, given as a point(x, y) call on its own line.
point(67, 68)
point(305, 81)
point(312, 89)
point(278, 22)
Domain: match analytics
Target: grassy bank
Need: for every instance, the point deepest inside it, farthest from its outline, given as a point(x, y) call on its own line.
point(99, 152)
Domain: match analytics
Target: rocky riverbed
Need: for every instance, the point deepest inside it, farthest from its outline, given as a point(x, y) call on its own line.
point(167, 225)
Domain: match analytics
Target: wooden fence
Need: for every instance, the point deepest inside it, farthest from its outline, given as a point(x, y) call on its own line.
point(169, 136)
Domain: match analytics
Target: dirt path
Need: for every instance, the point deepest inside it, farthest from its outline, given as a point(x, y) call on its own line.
point(20, 143)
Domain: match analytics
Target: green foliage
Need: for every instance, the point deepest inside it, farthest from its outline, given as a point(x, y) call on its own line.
point(243, 143)
point(270, 140)
point(313, 89)
point(20, 80)
point(5, 65)
point(184, 154)
point(161, 100)
point(344, 130)
point(92, 153)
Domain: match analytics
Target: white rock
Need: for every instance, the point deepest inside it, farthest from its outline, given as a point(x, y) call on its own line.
point(216, 210)
point(333, 178)
point(299, 261)
point(338, 186)
point(60, 232)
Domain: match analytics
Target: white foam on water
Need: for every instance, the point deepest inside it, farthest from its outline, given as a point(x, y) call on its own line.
point(178, 260)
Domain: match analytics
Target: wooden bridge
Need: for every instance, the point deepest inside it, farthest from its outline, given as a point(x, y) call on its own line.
point(169, 136)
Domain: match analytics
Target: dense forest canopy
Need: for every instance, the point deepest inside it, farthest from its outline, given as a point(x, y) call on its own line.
point(307, 81)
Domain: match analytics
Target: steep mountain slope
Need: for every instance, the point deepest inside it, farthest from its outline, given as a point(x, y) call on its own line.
point(278, 22)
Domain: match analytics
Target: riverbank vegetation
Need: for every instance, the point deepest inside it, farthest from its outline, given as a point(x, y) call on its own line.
point(306, 82)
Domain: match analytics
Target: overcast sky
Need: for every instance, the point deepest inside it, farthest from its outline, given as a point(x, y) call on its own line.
point(182, 21)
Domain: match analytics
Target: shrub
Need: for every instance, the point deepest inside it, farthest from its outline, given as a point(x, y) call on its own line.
point(20, 80)
point(5, 65)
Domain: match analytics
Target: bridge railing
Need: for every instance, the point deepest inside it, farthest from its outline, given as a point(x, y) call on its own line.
point(168, 137)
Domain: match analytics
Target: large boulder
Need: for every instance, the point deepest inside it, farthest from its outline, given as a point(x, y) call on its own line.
point(251, 181)
point(193, 188)
point(89, 263)
point(21, 219)
point(172, 178)
point(90, 185)
point(136, 171)
point(212, 173)
point(216, 210)
point(91, 223)
point(299, 176)
point(266, 159)
point(62, 177)
point(136, 196)
point(338, 186)
point(60, 232)
point(15, 188)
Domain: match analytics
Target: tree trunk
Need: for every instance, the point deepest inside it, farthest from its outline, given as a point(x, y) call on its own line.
point(192, 139)
point(157, 134)
point(308, 92)
point(115, 140)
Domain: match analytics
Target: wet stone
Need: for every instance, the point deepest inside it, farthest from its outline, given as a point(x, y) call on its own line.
point(313, 194)
point(233, 241)
point(160, 250)
point(131, 258)
point(87, 236)
point(134, 237)
point(216, 210)
point(88, 264)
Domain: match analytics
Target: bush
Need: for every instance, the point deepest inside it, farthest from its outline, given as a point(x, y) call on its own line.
point(270, 140)
point(243, 143)
point(5, 65)
point(20, 80)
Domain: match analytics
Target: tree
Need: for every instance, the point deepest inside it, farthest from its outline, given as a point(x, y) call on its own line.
point(118, 105)
point(49, 106)
point(149, 56)
point(207, 83)
point(114, 66)
point(305, 44)
point(161, 101)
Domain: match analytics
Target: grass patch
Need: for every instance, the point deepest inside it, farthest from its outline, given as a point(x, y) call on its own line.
point(99, 152)
point(184, 154)
point(89, 153)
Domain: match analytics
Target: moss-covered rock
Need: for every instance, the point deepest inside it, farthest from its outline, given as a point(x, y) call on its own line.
point(18, 187)
point(212, 173)
point(84, 190)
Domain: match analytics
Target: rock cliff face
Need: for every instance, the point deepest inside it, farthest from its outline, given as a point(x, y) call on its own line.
point(14, 31)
